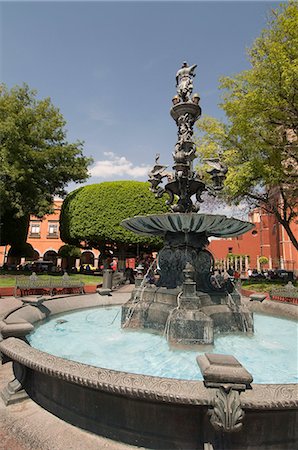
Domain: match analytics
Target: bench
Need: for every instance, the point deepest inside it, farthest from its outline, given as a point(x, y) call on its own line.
point(52, 285)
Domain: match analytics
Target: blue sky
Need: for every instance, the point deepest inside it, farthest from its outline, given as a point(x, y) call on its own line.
point(110, 67)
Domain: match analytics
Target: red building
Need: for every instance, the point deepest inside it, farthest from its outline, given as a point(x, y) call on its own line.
point(268, 238)
point(44, 237)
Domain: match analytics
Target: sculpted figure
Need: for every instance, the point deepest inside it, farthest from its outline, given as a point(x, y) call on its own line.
point(185, 124)
point(156, 174)
point(184, 79)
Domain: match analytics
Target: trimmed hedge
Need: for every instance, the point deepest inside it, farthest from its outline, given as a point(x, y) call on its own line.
point(93, 213)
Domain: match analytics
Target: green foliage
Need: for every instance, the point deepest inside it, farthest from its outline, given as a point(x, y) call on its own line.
point(36, 160)
point(233, 257)
point(13, 231)
point(21, 250)
point(69, 251)
point(259, 141)
point(263, 285)
point(8, 278)
point(93, 213)
point(263, 260)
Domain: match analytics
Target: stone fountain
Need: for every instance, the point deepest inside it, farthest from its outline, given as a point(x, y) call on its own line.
point(189, 302)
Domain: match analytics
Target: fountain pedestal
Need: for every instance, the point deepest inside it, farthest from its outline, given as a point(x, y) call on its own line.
point(190, 327)
point(187, 308)
point(185, 316)
point(187, 304)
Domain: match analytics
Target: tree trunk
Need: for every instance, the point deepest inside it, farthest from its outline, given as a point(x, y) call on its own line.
point(290, 233)
point(121, 257)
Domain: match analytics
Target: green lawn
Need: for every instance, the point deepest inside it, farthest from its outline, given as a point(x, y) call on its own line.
point(263, 286)
point(8, 280)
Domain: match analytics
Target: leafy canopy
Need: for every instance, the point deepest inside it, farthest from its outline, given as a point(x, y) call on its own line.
point(93, 213)
point(259, 141)
point(69, 251)
point(36, 160)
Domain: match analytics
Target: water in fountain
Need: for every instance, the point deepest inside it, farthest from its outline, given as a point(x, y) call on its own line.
point(265, 353)
point(168, 322)
point(137, 296)
point(239, 316)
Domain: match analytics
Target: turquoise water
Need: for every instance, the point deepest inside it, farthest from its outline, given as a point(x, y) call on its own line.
point(95, 337)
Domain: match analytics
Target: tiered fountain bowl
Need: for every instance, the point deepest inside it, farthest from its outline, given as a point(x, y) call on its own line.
point(192, 309)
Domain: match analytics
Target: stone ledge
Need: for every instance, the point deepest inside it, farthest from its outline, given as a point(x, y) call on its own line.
point(15, 329)
point(277, 309)
point(220, 369)
point(264, 397)
point(104, 291)
point(258, 297)
point(21, 320)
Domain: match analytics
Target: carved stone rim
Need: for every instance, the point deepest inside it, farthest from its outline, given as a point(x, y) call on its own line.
point(261, 397)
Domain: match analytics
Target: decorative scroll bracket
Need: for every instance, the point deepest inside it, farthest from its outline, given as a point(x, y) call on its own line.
point(226, 414)
point(230, 378)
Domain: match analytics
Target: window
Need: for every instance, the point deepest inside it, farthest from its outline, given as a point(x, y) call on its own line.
point(34, 229)
point(53, 230)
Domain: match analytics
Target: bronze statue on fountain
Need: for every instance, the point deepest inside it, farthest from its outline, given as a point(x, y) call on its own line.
point(182, 247)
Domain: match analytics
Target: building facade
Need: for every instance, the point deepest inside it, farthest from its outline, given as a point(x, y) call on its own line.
point(44, 236)
point(268, 238)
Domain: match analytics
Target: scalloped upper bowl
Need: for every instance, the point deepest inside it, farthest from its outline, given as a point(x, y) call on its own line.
point(211, 224)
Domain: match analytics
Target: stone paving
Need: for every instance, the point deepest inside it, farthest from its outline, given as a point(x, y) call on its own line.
point(26, 425)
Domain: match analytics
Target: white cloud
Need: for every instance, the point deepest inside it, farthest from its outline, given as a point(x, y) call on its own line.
point(117, 166)
point(214, 205)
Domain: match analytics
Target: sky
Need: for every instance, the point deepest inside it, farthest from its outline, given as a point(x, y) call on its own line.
point(110, 68)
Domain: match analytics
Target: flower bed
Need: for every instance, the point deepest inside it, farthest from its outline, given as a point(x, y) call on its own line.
point(286, 294)
point(279, 298)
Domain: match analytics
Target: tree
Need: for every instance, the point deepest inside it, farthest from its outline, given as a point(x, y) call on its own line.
point(259, 141)
point(36, 160)
point(23, 250)
point(14, 231)
point(70, 253)
point(263, 260)
point(91, 215)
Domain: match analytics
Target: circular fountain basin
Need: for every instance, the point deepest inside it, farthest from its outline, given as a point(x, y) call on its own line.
point(142, 410)
point(96, 338)
point(209, 224)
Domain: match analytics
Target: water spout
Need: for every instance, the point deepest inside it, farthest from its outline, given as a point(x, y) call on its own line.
point(241, 317)
point(138, 297)
point(168, 322)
